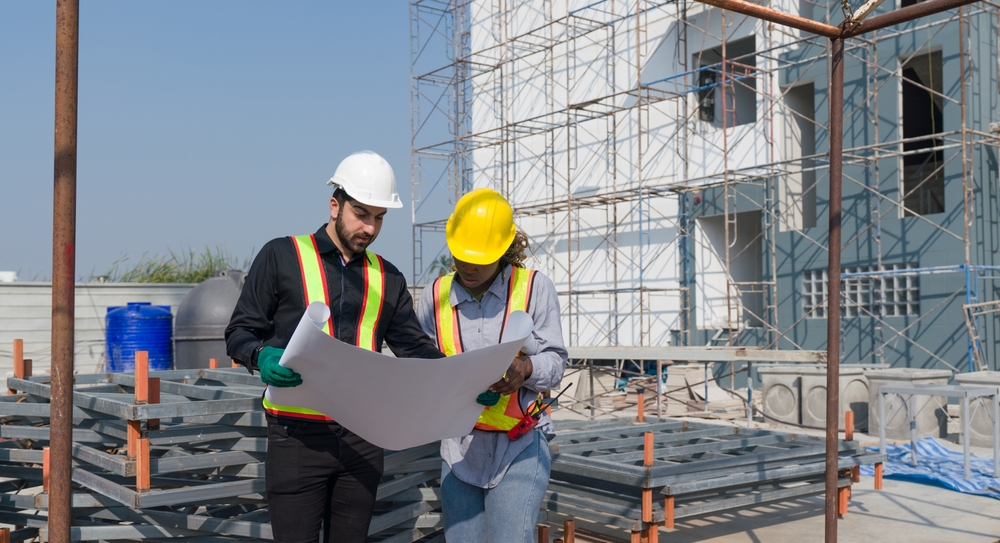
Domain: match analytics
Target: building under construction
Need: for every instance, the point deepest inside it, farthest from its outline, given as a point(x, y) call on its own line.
point(670, 162)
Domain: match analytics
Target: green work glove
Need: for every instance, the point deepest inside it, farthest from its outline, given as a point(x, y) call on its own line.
point(488, 398)
point(273, 373)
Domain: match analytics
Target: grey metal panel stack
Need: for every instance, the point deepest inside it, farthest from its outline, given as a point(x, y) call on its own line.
point(205, 463)
point(598, 472)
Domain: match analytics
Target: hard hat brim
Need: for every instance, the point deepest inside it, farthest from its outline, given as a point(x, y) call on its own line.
point(395, 203)
point(479, 258)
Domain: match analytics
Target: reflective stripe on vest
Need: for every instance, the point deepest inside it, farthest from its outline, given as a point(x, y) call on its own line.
point(507, 412)
point(314, 288)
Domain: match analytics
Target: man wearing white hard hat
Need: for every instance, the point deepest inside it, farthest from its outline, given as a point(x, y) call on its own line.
point(319, 474)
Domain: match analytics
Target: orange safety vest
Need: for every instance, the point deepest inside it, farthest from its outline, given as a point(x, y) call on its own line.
point(314, 288)
point(507, 412)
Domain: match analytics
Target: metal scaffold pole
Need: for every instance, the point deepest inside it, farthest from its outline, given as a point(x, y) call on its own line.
point(833, 270)
point(63, 267)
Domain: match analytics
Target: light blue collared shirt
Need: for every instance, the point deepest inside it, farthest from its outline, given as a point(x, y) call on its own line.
point(482, 458)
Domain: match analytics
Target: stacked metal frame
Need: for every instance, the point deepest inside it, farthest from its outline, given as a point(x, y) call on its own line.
point(190, 466)
point(618, 475)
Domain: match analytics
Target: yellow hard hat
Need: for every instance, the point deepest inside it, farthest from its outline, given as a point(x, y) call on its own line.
point(482, 227)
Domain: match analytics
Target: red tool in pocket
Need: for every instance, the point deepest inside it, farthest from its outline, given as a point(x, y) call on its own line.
point(530, 419)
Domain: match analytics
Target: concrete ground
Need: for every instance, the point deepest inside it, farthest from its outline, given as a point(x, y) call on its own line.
point(901, 512)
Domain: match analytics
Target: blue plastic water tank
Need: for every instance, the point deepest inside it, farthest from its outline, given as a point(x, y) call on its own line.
point(139, 326)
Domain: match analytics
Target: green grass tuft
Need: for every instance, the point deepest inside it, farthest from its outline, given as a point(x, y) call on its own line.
point(189, 267)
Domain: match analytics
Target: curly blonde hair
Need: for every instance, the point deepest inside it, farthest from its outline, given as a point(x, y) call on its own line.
point(517, 252)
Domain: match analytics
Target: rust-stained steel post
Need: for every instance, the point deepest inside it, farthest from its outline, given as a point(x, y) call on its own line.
point(836, 90)
point(903, 15)
point(775, 16)
point(63, 268)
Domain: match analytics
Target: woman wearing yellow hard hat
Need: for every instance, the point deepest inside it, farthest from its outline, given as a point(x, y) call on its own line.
point(495, 478)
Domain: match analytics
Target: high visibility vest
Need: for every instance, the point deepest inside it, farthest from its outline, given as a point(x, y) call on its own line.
point(507, 412)
point(314, 288)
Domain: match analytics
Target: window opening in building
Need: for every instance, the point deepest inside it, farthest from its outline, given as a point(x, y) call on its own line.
point(740, 69)
point(923, 161)
point(797, 191)
point(707, 79)
point(891, 294)
point(730, 294)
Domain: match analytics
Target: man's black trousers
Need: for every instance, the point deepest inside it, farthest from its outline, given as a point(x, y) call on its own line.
point(319, 474)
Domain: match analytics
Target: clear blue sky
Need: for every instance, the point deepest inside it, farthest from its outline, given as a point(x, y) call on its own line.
point(200, 123)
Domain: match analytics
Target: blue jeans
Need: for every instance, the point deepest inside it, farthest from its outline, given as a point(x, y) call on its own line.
point(507, 513)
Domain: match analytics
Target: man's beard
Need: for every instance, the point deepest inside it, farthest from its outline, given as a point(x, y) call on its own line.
point(349, 241)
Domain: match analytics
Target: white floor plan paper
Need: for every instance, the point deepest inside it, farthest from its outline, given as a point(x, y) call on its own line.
point(395, 403)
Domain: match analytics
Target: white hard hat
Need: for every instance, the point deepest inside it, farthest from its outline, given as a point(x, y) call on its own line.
point(368, 178)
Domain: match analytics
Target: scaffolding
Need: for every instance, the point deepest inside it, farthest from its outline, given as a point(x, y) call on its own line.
point(664, 158)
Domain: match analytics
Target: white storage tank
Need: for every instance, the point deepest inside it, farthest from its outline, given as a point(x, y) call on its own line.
point(853, 396)
point(932, 420)
point(980, 409)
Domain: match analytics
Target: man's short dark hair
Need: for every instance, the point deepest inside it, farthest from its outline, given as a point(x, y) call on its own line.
point(341, 196)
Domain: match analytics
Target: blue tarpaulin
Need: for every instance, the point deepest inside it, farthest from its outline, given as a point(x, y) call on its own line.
point(939, 466)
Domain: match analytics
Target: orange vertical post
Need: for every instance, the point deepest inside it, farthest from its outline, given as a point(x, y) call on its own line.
point(856, 474)
point(18, 351)
point(142, 467)
point(25, 368)
point(647, 460)
point(543, 533)
point(154, 398)
point(668, 512)
point(141, 377)
point(18, 362)
point(636, 537)
point(640, 406)
point(569, 531)
point(4, 535)
point(46, 466)
point(141, 396)
point(133, 432)
point(878, 476)
point(842, 497)
point(650, 532)
point(213, 363)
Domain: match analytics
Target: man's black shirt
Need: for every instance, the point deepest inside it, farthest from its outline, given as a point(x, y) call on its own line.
point(272, 303)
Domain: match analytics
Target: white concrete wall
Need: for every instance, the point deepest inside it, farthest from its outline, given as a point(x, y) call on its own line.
point(26, 313)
